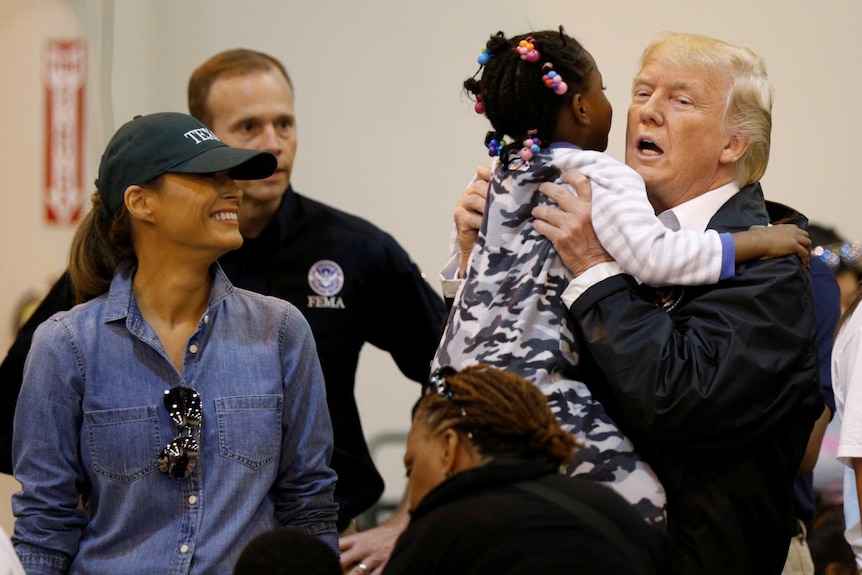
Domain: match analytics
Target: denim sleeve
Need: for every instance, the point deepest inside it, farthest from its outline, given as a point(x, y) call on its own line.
point(305, 484)
point(12, 369)
point(45, 453)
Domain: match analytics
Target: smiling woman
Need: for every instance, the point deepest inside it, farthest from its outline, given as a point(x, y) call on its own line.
point(154, 408)
point(188, 212)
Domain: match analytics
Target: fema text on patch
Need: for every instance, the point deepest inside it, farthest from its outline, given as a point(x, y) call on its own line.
point(333, 302)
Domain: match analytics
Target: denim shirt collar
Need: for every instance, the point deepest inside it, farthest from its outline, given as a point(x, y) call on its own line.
point(121, 298)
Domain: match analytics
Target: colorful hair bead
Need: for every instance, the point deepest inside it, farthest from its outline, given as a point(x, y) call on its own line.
point(553, 80)
point(494, 147)
point(485, 56)
point(532, 146)
point(527, 50)
point(480, 105)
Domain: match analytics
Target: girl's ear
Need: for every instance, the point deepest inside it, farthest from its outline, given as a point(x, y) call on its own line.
point(580, 110)
point(137, 200)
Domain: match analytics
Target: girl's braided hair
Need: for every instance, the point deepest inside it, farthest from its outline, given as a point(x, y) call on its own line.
point(515, 98)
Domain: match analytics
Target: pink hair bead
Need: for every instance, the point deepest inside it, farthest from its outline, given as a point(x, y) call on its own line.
point(527, 50)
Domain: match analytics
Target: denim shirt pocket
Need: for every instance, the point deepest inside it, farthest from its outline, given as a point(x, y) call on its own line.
point(249, 428)
point(124, 443)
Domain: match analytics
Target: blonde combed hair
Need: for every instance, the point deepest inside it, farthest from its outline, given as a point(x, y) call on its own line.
point(749, 97)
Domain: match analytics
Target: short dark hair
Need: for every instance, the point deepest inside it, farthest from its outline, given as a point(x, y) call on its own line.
point(236, 62)
point(287, 551)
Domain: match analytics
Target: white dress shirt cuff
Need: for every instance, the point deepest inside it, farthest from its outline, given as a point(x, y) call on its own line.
point(449, 280)
point(588, 279)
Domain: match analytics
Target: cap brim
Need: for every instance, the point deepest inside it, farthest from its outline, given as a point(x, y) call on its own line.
point(241, 164)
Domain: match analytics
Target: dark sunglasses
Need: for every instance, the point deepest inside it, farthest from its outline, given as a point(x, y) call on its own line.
point(437, 384)
point(180, 456)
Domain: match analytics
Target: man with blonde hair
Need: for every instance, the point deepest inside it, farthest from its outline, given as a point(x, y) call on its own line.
point(716, 385)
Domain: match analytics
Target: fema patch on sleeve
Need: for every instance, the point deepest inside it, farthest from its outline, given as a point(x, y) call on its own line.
point(326, 278)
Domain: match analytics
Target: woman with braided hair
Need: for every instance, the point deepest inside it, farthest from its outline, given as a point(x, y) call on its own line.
point(543, 92)
point(485, 494)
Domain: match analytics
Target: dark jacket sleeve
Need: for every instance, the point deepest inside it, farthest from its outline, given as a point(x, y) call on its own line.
point(12, 369)
point(722, 367)
point(408, 314)
point(827, 309)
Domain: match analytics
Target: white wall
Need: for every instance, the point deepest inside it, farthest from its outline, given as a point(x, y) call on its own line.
point(32, 253)
point(384, 130)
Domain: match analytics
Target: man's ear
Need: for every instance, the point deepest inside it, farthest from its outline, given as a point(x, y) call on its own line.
point(734, 149)
point(580, 110)
point(137, 200)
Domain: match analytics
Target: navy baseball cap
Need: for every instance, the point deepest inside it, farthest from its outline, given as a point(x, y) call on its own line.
point(169, 142)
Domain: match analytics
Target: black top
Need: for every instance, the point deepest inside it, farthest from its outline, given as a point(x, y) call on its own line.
point(480, 521)
point(827, 311)
point(718, 389)
point(352, 282)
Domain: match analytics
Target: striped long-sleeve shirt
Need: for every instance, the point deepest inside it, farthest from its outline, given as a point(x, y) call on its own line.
point(508, 311)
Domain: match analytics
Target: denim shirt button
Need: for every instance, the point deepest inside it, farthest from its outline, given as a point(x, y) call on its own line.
point(193, 348)
point(193, 499)
point(206, 318)
point(184, 549)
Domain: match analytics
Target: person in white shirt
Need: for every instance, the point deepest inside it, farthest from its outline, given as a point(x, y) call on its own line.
point(847, 385)
point(9, 563)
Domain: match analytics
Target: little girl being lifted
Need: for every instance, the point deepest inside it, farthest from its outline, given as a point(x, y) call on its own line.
point(543, 95)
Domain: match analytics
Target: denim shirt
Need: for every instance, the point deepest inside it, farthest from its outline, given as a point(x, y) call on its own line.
point(90, 423)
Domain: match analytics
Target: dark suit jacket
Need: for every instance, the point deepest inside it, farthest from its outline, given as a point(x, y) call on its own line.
point(718, 387)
